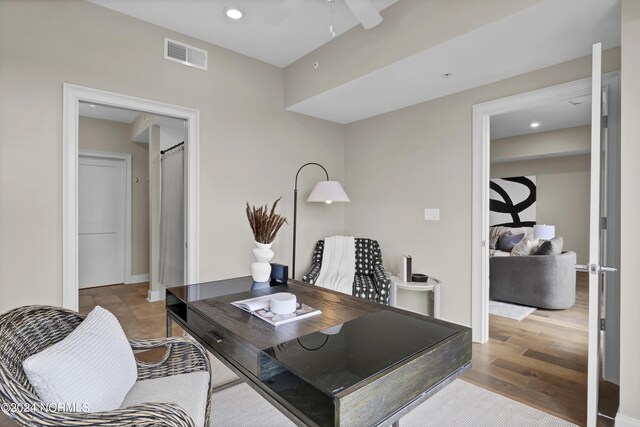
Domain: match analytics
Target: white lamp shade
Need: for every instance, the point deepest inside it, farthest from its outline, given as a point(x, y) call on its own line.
point(328, 191)
point(544, 232)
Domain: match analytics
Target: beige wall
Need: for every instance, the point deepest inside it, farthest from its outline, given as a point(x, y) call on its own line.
point(250, 147)
point(562, 182)
point(630, 212)
point(419, 157)
point(105, 135)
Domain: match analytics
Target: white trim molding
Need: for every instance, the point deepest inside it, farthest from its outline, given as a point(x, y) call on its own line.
point(626, 421)
point(481, 139)
point(138, 278)
point(72, 95)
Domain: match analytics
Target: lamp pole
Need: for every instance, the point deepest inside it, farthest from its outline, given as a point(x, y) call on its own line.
point(295, 212)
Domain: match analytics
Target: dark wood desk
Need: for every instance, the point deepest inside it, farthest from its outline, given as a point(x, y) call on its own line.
point(373, 369)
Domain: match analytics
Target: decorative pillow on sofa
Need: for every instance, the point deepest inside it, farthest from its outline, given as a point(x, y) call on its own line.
point(550, 247)
point(93, 367)
point(495, 233)
point(509, 240)
point(526, 246)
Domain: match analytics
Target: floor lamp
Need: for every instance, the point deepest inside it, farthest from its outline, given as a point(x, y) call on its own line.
point(324, 191)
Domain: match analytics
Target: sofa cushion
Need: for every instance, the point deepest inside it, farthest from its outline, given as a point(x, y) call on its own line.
point(526, 246)
point(509, 240)
point(499, 253)
point(92, 369)
point(189, 391)
point(550, 247)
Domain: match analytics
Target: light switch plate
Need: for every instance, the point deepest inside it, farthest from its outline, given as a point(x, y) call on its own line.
point(432, 214)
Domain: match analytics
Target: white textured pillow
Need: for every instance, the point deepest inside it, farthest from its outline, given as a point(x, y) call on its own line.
point(526, 246)
point(91, 370)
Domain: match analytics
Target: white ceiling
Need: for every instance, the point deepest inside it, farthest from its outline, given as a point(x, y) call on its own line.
point(122, 115)
point(549, 33)
point(107, 113)
point(552, 116)
point(543, 35)
point(266, 32)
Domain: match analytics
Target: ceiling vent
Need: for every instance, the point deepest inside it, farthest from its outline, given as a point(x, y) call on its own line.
point(185, 54)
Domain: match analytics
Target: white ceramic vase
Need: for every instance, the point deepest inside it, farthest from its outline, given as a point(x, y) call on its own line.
point(261, 269)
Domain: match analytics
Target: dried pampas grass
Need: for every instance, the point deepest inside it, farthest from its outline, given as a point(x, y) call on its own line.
point(264, 223)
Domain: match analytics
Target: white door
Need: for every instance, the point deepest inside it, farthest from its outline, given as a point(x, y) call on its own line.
point(595, 267)
point(101, 220)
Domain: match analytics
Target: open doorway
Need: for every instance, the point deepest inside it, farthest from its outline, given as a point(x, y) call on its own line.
point(106, 131)
point(131, 230)
point(130, 203)
point(535, 149)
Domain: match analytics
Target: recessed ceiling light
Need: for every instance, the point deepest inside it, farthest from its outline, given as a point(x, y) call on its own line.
point(447, 75)
point(233, 13)
point(92, 105)
point(534, 124)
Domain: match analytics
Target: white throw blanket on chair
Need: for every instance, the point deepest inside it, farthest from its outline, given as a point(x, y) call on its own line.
point(338, 264)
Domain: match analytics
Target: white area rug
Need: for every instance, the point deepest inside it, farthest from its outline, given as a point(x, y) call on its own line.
point(458, 404)
point(512, 311)
point(220, 374)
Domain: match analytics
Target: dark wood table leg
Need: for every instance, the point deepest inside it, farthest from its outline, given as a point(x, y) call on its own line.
point(169, 333)
point(396, 424)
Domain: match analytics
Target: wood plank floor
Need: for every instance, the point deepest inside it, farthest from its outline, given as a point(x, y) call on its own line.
point(540, 361)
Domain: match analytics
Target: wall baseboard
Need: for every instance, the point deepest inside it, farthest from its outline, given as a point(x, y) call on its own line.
point(138, 278)
point(625, 421)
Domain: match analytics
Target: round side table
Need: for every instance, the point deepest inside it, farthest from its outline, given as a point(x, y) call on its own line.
point(432, 285)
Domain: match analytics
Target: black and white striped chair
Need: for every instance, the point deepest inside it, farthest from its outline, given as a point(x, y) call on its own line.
point(370, 282)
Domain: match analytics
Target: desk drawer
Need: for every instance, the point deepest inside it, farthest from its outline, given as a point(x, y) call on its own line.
point(219, 340)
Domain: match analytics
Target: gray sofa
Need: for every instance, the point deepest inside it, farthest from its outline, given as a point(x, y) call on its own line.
point(544, 281)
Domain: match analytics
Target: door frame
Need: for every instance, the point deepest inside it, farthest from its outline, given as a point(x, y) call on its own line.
point(126, 158)
point(481, 139)
point(72, 96)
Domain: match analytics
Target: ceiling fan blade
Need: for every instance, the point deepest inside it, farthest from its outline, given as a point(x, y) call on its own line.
point(281, 12)
point(365, 11)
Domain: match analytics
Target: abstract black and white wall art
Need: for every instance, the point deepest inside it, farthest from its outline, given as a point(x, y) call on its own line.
point(512, 201)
